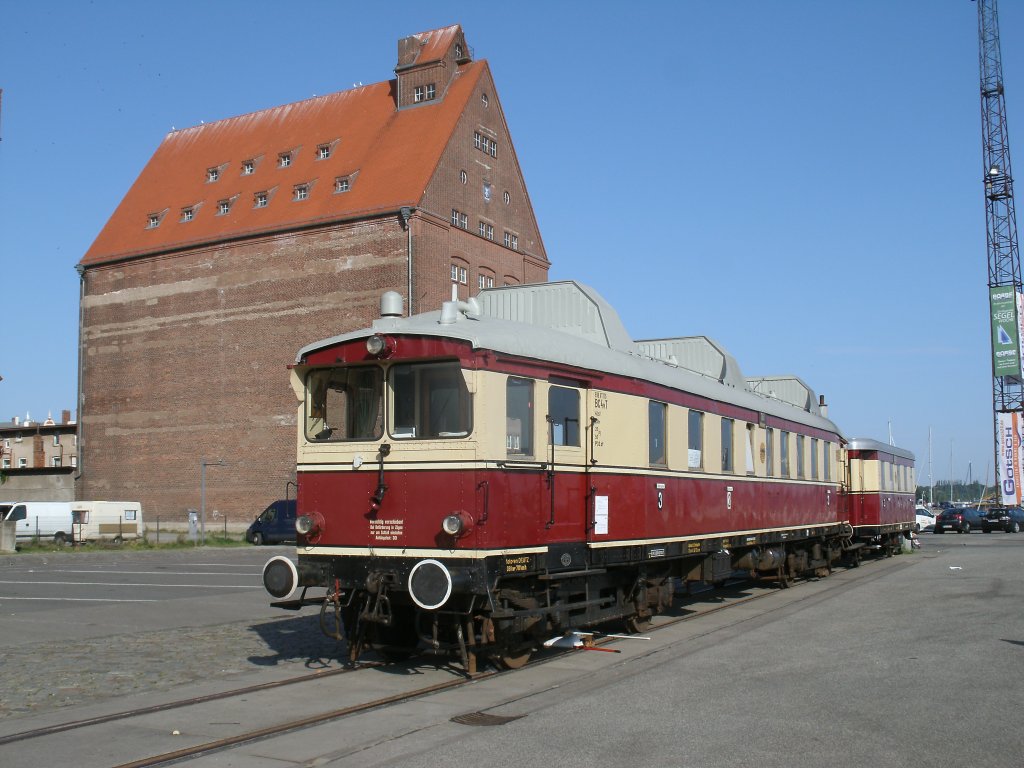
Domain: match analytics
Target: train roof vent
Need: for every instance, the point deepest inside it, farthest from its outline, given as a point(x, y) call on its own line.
point(698, 354)
point(568, 307)
point(788, 389)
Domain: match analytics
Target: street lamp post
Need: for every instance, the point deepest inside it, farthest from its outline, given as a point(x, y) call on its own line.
point(203, 464)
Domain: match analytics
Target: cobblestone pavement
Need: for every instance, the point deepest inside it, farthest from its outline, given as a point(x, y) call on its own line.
point(60, 675)
point(46, 675)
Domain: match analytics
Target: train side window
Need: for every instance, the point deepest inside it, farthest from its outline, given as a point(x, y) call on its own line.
point(430, 400)
point(695, 440)
point(827, 463)
point(800, 471)
point(564, 412)
point(814, 458)
point(656, 424)
point(344, 404)
point(519, 416)
point(727, 457)
point(784, 452)
point(769, 452)
point(751, 436)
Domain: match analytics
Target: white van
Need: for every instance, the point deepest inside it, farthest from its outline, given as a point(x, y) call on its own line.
point(41, 519)
point(114, 521)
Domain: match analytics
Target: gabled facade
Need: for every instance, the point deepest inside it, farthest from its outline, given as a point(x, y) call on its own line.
point(244, 239)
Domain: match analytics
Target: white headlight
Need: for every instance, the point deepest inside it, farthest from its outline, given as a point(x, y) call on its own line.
point(304, 524)
point(376, 344)
point(452, 525)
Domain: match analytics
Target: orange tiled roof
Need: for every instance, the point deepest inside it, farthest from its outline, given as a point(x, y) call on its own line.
point(393, 152)
point(434, 44)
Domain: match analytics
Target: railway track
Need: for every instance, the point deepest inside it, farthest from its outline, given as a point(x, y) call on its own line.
point(700, 606)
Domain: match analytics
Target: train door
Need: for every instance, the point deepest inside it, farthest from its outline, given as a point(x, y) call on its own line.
point(566, 419)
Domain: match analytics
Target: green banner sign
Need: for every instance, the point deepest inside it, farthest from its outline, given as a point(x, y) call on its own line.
point(1005, 331)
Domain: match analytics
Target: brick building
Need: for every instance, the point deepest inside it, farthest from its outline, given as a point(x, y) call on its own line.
point(38, 458)
point(244, 239)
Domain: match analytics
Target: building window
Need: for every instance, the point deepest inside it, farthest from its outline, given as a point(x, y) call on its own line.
point(323, 151)
point(212, 174)
point(518, 416)
point(507, 198)
point(459, 274)
point(301, 191)
point(458, 50)
point(284, 159)
point(431, 91)
point(187, 214)
point(459, 219)
point(727, 453)
point(248, 166)
point(224, 206)
point(485, 144)
point(486, 230)
point(656, 433)
point(56, 440)
point(417, 94)
point(485, 281)
point(22, 463)
point(260, 200)
point(784, 452)
point(814, 458)
point(154, 221)
point(55, 461)
point(342, 184)
point(512, 241)
point(74, 461)
point(463, 177)
point(485, 100)
point(7, 463)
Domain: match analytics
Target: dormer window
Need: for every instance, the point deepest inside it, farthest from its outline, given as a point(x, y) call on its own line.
point(248, 166)
point(212, 174)
point(284, 159)
point(301, 192)
point(260, 200)
point(154, 221)
point(342, 184)
point(424, 92)
point(223, 207)
point(187, 214)
point(323, 151)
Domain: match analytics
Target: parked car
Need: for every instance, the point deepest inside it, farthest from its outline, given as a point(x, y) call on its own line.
point(276, 524)
point(959, 519)
point(1009, 519)
point(925, 519)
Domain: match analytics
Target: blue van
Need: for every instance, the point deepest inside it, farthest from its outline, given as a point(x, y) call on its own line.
point(276, 524)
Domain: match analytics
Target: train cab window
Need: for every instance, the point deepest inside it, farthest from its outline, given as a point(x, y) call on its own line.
point(656, 423)
point(784, 452)
point(564, 415)
point(814, 458)
point(800, 456)
point(429, 400)
point(345, 404)
point(695, 440)
point(769, 452)
point(519, 416)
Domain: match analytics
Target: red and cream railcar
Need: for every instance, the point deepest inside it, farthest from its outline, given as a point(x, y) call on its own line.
point(880, 492)
point(515, 465)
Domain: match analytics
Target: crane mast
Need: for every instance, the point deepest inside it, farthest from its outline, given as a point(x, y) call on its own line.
point(1001, 224)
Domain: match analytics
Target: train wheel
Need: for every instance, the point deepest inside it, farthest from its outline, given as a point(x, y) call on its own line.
point(513, 659)
point(637, 625)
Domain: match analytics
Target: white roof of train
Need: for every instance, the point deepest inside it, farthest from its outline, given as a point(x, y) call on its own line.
point(571, 324)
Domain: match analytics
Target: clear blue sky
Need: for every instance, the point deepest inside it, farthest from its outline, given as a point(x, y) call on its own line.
point(800, 180)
